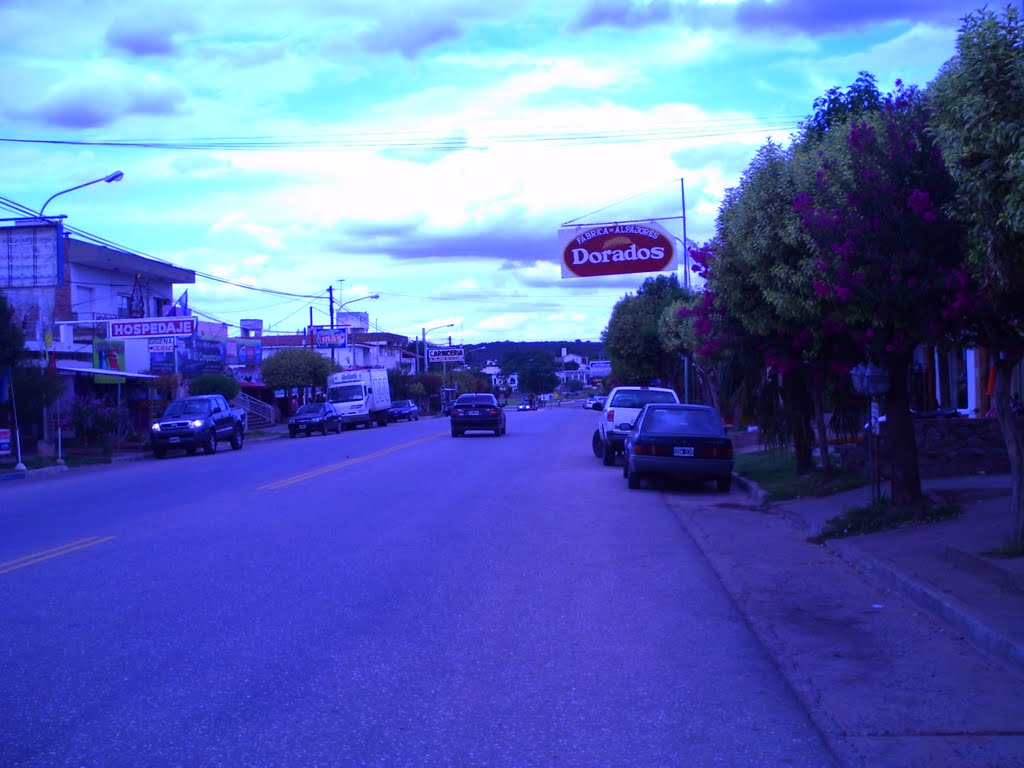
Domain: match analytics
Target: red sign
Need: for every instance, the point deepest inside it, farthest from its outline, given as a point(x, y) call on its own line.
point(152, 326)
point(618, 249)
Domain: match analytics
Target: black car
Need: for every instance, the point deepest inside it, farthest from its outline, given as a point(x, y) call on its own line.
point(314, 417)
point(403, 409)
point(477, 412)
point(680, 441)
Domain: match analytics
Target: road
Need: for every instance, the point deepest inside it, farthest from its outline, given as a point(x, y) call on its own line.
point(383, 597)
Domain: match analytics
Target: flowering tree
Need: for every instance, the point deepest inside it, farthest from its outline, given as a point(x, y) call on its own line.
point(888, 261)
point(977, 120)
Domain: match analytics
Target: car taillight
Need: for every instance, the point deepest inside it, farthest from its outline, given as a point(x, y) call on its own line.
point(492, 411)
point(651, 449)
point(716, 452)
point(609, 415)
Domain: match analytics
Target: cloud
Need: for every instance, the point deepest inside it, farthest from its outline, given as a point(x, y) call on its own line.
point(152, 34)
point(410, 36)
point(93, 102)
point(503, 322)
point(815, 17)
point(628, 14)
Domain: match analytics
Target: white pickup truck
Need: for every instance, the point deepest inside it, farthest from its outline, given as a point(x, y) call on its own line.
point(621, 408)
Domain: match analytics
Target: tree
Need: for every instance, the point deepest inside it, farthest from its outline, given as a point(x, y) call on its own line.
point(214, 384)
point(887, 252)
point(297, 367)
point(632, 338)
point(977, 121)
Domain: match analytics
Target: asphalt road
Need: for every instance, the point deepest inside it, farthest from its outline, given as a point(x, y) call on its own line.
point(384, 597)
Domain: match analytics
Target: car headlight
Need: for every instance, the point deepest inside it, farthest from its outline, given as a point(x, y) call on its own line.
point(197, 423)
point(155, 427)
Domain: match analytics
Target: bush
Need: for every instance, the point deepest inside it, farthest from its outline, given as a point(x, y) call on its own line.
point(882, 515)
point(94, 419)
point(214, 384)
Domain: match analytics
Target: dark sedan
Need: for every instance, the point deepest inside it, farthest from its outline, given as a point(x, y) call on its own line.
point(477, 412)
point(314, 417)
point(679, 441)
point(403, 409)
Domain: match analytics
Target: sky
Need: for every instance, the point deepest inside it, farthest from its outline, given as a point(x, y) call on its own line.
point(424, 152)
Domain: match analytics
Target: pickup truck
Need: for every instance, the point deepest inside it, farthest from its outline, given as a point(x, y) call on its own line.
point(197, 422)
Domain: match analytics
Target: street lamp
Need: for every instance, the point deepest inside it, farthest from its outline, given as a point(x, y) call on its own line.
point(425, 332)
point(341, 306)
point(115, 176)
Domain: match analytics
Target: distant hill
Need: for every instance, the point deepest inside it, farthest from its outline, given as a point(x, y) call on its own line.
point(478, 354)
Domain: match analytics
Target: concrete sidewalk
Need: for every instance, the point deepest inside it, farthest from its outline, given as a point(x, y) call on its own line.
point(905, 647)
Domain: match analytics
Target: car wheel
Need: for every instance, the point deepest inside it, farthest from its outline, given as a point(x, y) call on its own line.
point(160, 452)
point(607, 455)
point(211, 443)
point(456, 433)
point(632, 479)
point(724, 484)
point(237, 438)
point(596, 444)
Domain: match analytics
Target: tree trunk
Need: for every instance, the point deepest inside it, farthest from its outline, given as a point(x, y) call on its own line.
point(905, 485)
point(818, 396)
point(1015, 450)
point(795, 402)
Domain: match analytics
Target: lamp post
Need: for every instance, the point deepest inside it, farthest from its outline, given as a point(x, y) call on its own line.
point(425, 332)
point(341, 306)
point(110, 177)
point(115, 176)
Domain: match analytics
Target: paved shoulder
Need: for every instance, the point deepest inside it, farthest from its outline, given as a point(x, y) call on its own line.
point(887, 683)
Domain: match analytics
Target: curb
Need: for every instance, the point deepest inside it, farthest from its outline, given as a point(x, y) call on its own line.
point(952, 611)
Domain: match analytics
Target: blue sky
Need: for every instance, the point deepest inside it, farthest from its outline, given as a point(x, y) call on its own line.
point(424, 151)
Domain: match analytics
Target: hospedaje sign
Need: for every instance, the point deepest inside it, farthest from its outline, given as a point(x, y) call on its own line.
point(145, 327)
point(616, 249)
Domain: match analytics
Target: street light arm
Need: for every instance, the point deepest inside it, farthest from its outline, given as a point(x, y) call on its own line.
point(115, 176)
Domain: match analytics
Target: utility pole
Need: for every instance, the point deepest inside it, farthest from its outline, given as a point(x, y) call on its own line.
point(330, 304)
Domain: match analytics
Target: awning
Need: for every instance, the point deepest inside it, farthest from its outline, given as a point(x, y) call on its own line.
point(68, 367)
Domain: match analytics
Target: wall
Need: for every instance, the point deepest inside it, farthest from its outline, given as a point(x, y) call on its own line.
point(956, 446)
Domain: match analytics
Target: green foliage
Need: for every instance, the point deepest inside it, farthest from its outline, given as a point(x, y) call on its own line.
point(297, 367)
point(12, 340)
point(214, 384)
point(883, 516)
point(94, 418)
point(35, 389)
point(633, 338)
point(774, 471)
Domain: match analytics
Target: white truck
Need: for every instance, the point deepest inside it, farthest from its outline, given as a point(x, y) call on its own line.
point(360, 397)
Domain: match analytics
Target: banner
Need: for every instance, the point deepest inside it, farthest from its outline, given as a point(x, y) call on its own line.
point(108, 354)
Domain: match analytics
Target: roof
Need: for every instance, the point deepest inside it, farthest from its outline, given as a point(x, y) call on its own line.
point(68, 367)
point(113, 260)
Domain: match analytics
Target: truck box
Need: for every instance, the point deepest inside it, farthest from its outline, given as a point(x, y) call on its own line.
point(360, 397)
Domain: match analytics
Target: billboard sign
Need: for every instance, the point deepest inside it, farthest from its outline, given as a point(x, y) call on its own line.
point(32, 254)
point(616, 249)
point(161, 344)
point(109, 355)
point(331, 337)
point(5, 442)
point(145, 327)
point(445, 355)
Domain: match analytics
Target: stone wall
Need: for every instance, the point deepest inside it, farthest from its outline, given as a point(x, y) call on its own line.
point(956, 446)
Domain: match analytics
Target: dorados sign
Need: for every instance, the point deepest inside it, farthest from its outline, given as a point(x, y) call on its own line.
point(616, 249)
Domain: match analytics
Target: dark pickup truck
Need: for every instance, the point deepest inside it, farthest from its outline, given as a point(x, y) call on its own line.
point(198, 422)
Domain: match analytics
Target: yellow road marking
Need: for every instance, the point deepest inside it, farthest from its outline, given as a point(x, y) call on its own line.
point(277, 485)
point(49, 554)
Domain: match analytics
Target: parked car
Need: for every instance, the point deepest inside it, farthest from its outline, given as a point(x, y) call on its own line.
point(523, 406)
point(195, 422)
point(403, 409)
point(314, 417)
point(679, 441)
point(477, 412)
point(594, 402)
point(622, 406)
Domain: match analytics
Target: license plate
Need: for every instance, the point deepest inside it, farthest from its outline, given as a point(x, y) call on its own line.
point(302, 426)
point(175, 439)
point(683, 450)
point(473, 413)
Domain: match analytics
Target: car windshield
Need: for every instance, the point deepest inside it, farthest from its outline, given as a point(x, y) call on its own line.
point(188, 408)
point(310, 409)
point(641, 397)
point(475, 400)
point(346, 393)
point(401, 404)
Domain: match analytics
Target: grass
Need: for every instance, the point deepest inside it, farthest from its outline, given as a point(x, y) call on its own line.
point(883, 516)
point(1009, 550)
point(775, 472)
